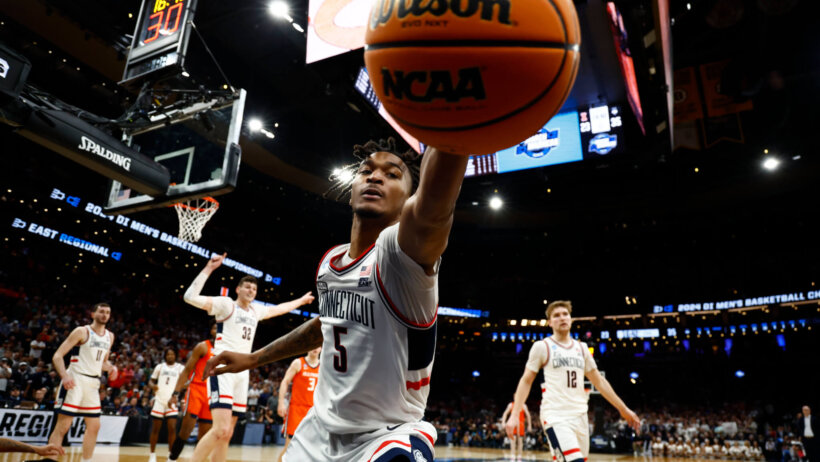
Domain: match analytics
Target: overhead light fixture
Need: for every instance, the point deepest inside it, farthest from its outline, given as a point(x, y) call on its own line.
point(771, 163)
point(279, 9)
point(496, 203)
point(255, 125)
point(298, 27)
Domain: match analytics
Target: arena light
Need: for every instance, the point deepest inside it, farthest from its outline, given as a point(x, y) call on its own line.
point(633, 375)
point(279, 9)
point(771, 163)
point(496, 203)
point(740, 374)
point(255, 125)
point(476, 374)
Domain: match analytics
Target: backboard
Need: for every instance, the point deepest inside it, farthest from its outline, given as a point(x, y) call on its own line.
point(201, 152)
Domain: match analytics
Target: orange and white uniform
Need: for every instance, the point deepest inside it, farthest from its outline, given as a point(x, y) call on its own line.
point(301, 394)
point(196, 398)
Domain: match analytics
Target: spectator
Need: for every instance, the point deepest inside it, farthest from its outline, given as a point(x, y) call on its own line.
point(807, 431)
point(5, 376)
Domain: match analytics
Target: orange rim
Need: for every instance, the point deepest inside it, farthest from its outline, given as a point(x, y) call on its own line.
point(209, 199)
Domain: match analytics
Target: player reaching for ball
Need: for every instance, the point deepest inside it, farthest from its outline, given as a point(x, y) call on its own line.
point(378, 298)
point(565, 362)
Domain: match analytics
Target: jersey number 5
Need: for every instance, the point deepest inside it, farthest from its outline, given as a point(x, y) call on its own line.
point(339, 360)
point(571, 379)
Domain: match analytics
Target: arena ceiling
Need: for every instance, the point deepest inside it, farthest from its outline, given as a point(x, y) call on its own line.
point(651, 223)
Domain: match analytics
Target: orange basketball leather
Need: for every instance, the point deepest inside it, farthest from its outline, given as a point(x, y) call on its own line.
point(472, 76)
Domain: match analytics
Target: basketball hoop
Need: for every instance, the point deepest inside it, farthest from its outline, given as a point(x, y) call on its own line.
point(193, 215)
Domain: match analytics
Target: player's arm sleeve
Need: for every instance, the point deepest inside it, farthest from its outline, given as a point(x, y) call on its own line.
point(402, 283)
point(221, 307)
point(589, 361)
point(537, 358)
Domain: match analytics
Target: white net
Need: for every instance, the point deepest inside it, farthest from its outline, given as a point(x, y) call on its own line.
point(193, 215)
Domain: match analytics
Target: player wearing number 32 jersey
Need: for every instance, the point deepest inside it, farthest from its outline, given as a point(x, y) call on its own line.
point(236, 322)
point(378, 298)
point(565, 363)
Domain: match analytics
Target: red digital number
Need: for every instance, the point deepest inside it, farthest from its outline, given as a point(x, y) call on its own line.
point(155, 27)
point(178, 8)
point(175, 11)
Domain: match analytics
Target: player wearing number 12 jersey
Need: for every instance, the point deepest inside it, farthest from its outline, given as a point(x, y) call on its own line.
point(304, 374)
point(236, 322)
point(565, 362)
point(378, 298)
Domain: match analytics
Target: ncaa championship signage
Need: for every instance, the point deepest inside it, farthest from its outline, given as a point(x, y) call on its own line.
point(35, 426)
point(558, 142)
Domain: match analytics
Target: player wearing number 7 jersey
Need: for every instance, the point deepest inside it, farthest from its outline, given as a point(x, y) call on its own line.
point(236, 322)
point(565, 362)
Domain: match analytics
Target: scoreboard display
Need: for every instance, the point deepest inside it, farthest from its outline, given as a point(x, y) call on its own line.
point(160, 19)
point(160, 39)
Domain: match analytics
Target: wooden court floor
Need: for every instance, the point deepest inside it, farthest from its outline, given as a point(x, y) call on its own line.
point(106, 453)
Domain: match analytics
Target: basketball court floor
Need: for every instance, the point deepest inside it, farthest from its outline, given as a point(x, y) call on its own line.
point(105, 453)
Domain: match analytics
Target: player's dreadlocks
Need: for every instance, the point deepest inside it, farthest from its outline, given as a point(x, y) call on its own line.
point(343, 178)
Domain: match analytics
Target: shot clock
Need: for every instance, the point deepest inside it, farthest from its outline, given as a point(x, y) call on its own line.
point(160, 40)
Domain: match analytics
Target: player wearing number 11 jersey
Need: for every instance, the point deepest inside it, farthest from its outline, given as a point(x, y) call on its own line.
point(565, 362)
point(236, 322)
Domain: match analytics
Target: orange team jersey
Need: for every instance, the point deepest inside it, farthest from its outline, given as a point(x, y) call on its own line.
point(304, 382)
point(196, 399)
point(301, 394)
point(200, 365)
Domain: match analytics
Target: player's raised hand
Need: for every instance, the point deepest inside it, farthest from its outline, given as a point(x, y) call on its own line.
point(215, 261)
point(307, 299)
point(230, 361)
point(49, 450)
point(632, 419)
point(511, 426)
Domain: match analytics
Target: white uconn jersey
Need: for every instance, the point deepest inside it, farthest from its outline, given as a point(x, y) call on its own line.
point(236, 330)
point(378, 318)
point(166, 377)
point(87, 358)
point(564, 366)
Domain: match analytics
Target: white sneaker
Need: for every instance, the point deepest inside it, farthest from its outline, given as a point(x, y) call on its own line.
point(152, 457)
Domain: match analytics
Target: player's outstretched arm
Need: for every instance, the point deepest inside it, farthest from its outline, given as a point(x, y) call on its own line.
point(7, 445)
point(293, 369)
point(428, 215)
point(199, 350)
point(521, 393)
point(298, 341)
point(193, 295)
point(602, 384)
point(76, 337)
point(287, 307)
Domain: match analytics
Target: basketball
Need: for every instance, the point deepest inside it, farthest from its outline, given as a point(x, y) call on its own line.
point(472, 76)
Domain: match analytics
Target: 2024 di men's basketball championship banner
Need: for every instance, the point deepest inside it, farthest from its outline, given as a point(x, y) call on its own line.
point(35, 426)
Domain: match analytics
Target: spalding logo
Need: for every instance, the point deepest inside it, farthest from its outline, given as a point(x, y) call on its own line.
point(439, 85)
point(383, 9)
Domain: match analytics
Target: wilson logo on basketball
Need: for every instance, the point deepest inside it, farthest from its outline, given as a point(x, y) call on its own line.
point(426, 86)
point(383, 9)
